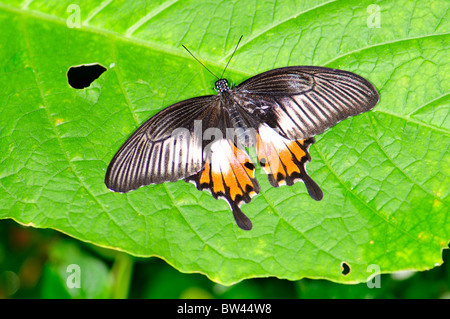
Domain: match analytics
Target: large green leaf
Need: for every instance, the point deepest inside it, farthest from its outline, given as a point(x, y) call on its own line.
point(385, 174)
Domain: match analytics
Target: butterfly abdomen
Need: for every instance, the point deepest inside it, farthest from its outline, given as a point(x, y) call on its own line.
point(241, 130)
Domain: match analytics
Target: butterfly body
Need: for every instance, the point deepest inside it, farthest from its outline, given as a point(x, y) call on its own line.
point(204, 139)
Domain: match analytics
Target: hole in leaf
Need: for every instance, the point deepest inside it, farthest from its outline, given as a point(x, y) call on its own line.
point(81, 76)
point(345, 268)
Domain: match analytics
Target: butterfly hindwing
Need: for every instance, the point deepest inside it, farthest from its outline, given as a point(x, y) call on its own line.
point(230, 174)
point(285, 160)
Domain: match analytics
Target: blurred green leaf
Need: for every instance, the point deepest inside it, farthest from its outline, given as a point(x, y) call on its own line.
point(72, 273)
point(155, 280)
point(385, 174)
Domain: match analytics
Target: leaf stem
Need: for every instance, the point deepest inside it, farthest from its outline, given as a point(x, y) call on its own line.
point(121, 272)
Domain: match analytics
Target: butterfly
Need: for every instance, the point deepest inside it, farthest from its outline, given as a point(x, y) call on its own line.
point(204, 139)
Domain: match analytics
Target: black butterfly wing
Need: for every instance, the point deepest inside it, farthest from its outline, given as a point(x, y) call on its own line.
point(166, 148)
point(302, 101)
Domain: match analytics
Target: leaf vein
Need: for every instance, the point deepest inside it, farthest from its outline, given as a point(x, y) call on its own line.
point(274, 25)
point(149, 16)
point(97, 10)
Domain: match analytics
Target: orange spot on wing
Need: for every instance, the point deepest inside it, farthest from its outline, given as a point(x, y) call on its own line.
point(218, 186)
point(204, 179)
point(267, 153)
point(250, 172)
point(286, 158)
point(242, 173)
point(232, 184)
point(296, 149)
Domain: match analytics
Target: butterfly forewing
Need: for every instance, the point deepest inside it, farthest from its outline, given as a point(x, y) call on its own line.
point(301, 102)
point(166, 148)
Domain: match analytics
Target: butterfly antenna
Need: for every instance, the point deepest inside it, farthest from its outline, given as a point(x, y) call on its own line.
point(200, 62)
point(231, 56)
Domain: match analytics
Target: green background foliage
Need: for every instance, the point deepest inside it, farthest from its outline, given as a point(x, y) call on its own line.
point(385, 174)
point(32, 266)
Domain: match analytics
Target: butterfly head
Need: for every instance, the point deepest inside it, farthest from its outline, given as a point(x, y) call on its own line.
point(222, 85)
